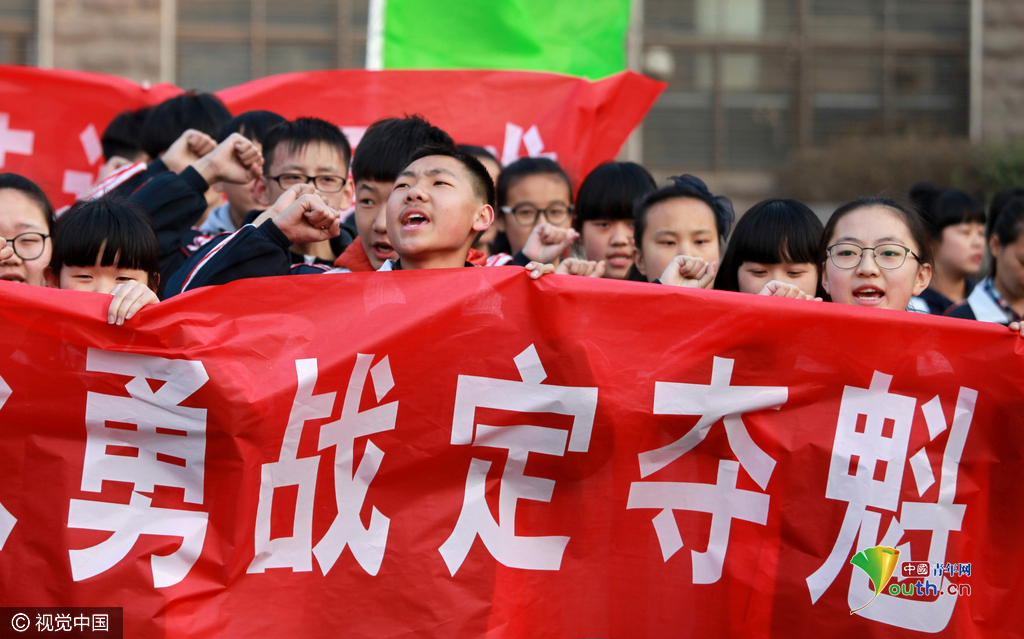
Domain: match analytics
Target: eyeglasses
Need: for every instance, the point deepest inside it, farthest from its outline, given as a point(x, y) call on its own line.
point(887, 256)
point(28, 246)
point(528, 214)
point(322, 183)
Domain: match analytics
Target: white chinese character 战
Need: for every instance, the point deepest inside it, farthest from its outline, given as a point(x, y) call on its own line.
point(716, 401)
point(350, 482)
point(527, 396)
point(169, 445)
point(879, 445)
point(7, 520)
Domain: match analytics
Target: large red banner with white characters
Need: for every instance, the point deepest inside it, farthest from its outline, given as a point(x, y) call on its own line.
point(51, 121)
point(473, 453)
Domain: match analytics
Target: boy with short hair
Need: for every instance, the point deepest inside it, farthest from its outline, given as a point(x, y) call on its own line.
point(308, 151)
point(441, 201)
point(241, 199)
point(383, 151)
point(163, 124)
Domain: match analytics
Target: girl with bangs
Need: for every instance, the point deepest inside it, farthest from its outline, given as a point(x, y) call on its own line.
point(107, 246)
point(604, 214)
point(773, 251)
point(956, 223)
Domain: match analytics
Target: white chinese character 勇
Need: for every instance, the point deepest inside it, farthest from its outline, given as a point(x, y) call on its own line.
point(169, 442)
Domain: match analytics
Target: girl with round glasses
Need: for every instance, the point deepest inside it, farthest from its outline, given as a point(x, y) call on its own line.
point(26, 220)
point(875, 253)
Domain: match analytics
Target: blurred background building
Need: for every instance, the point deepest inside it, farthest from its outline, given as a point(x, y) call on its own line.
point(750, 81)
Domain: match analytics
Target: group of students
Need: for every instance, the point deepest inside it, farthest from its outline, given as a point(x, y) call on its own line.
point(193, 197)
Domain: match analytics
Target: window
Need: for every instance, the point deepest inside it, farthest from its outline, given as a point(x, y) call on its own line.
point(754, 78)
point(228, 42)
point(17, 32)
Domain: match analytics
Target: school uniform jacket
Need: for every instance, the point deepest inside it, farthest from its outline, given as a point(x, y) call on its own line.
point(979, 305)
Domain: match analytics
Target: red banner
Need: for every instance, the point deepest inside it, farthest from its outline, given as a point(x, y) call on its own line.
point(472, 453)
point(577, 122)
point(51, 121)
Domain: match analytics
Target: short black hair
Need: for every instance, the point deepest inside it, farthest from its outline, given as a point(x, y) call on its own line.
point(32, 191)
point(1008, 226)
point(387, 144)
point(300, 133)
point(999, 203)
point(611, 192)
point(685, 186)
point(524, 168)
point(483, 186)
point(478, 152)
point(120, 227)
point(940, 208)
point(771, 232)
point(168, 120)
point(252, 124)
point(123, 136)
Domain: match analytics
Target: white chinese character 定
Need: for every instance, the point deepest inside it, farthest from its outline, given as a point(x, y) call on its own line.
point(527, 396)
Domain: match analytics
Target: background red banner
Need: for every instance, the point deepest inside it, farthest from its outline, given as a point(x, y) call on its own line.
point(556, 391)
point(51, 120)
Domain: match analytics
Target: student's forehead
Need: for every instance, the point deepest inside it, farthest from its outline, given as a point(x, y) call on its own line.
point(436, 163)
point(374, 186)
point(311, 156)
point(682, 214)
point(872, 224)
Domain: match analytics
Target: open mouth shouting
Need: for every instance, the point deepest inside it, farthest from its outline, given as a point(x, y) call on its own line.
point(413, 219)
point(869, 295)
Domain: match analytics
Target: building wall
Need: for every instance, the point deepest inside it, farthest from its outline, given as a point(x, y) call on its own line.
point(120, 37)
point(1003, 71)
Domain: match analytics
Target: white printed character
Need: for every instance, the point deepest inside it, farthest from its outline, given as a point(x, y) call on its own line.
point(717, 401)
point(367, 544)
point(939, 518)
point(351, 483)
point(7, 520)
point(862, 450)
point(162, 444)
point(527, 396)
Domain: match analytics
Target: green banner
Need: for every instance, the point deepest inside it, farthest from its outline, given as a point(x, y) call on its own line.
point(579, 37)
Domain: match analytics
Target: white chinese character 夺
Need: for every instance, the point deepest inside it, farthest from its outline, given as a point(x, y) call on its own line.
point(714, 402)
point(351, 482)
point(526, 396)
point(168, 446)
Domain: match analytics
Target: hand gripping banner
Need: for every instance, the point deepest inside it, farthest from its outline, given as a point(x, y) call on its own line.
point(471, 453)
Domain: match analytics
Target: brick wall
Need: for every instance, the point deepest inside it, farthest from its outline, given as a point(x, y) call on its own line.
point(120, 37)
point(1003, 85)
